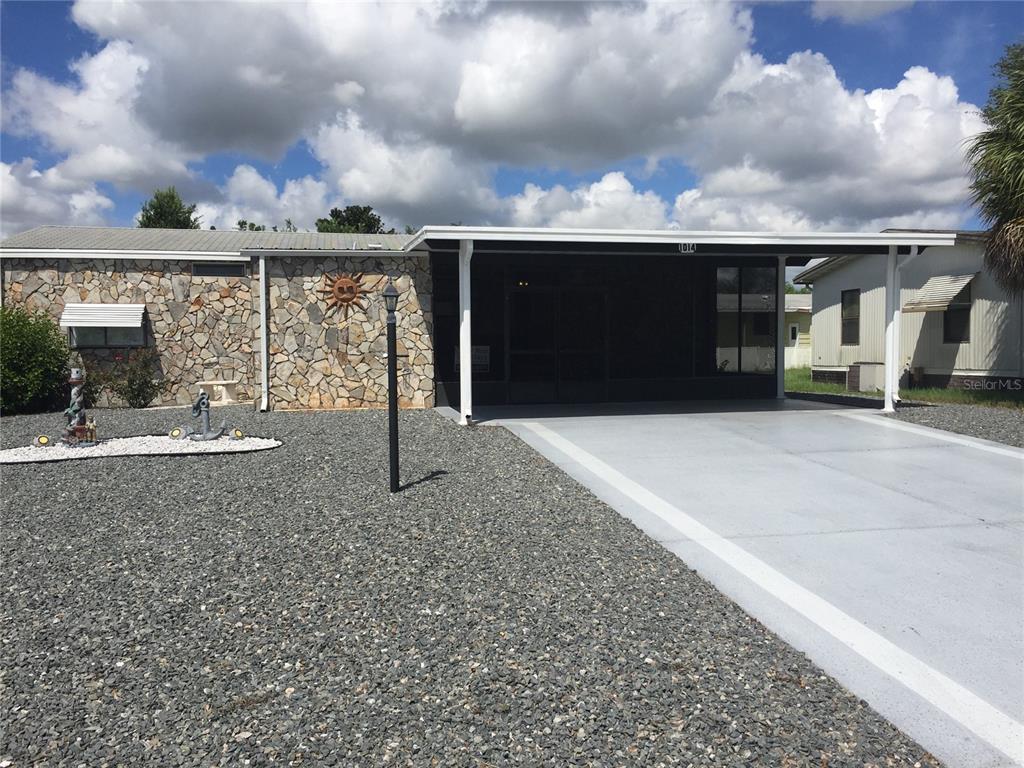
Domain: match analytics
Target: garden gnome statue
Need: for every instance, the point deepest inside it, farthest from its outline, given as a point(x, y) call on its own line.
point(76, 410)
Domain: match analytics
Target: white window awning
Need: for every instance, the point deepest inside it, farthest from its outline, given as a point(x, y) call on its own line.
point(102, 315)
point(938, 293)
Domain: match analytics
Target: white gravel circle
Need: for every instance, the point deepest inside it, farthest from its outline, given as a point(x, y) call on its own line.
point(143, 445)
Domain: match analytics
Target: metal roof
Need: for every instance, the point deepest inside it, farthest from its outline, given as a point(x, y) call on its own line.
point(814, 271)
point(102, 315)
point(50, 238)
point(938, 293)
point(798, 302)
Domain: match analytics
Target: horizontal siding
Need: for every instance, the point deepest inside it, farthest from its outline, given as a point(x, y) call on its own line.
point(997, 323)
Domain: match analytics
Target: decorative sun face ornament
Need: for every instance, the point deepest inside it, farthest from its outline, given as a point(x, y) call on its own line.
point(344, 291)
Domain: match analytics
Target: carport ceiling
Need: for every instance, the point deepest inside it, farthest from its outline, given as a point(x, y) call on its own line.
point(799, 248)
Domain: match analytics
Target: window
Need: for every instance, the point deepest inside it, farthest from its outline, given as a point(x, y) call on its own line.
point(956, 320)
point(85, 337)
point(794, 333)
point(851, 317)
point(220, 269)
point(745, 329)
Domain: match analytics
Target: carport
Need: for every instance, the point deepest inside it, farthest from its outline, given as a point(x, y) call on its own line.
point(540, 316)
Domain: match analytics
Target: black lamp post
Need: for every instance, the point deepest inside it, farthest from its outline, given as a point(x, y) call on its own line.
point(391, 304)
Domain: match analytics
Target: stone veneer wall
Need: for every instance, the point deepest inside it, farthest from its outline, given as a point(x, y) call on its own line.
point(319, 361)
point(202, 327)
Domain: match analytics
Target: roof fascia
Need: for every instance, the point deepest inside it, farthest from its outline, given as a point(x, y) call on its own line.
point(66, 253)
point(313, 252)
point(541, 234)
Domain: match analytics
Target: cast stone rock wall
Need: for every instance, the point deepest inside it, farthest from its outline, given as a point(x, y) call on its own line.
point(320, 359)
point(202, 327)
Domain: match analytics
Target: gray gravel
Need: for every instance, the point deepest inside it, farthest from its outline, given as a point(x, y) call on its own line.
point(282, 608)
point(1003, 425)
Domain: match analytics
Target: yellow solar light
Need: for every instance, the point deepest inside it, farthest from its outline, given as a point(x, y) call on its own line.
point(43, 440)
point(176, 433)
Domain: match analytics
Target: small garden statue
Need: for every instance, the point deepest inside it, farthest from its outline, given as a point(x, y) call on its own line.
point(80, 431)
point(201, 408)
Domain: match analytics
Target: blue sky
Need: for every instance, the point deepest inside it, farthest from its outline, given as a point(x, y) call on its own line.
point(501, 154)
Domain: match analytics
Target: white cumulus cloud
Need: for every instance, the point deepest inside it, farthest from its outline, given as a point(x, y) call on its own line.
point(417, 108)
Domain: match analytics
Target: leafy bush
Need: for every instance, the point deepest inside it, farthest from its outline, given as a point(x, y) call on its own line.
point(96, 381)
point(133, 380)
point(33, 361)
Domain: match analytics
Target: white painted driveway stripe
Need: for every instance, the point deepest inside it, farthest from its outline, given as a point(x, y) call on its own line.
point(938, 434)
point(989, 723)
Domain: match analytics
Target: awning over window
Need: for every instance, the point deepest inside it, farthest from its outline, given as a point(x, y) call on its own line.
point(938, 293)
point(102, 315)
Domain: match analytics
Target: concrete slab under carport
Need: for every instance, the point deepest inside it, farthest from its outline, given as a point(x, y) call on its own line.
point(917, 535)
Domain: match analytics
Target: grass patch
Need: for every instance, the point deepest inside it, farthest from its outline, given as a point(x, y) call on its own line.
point(799, 380)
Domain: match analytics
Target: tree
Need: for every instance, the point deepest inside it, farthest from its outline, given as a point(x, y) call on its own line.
point(166, 210)
point(355, 218)
point(997, 165)
point(790, 288)
point(252, 226)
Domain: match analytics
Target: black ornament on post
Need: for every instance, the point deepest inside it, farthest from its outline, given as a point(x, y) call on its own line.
point(391, 304)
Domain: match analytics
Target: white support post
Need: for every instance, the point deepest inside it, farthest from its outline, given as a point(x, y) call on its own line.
point(780, 331)
point(897, 333)
point(465, 334)
point(264, 346)
point(891, 301)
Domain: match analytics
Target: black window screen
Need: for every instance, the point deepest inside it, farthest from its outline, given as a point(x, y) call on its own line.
point(956, 320)
point(220, 269)
point(851, 316)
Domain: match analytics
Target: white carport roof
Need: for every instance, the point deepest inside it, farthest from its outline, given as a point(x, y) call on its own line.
point(102, 315)
point(777, 240)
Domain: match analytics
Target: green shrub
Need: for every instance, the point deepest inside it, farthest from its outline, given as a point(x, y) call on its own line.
point(96, 381)
point(33, 361)
point(134, 381)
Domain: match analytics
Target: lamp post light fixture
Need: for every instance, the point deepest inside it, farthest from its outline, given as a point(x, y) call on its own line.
point(391, 304)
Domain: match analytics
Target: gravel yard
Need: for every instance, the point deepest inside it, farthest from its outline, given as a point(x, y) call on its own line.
point(1003, 425)
point(280, 607)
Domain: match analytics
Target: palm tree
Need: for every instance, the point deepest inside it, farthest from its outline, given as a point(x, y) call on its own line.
point(997, 160)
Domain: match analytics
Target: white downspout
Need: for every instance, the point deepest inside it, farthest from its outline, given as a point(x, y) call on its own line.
point(780, 331)
point(890, 313)
point(264, 347)
point(465, 334)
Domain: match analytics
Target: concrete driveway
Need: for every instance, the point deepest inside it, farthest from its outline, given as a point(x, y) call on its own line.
point(893, 555)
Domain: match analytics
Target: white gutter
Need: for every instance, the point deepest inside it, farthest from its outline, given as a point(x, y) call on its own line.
point(678, 237)
point(66, 253)
point(264, 346)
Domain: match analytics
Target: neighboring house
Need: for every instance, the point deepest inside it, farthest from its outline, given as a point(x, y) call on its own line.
point(494, 315)
point(798, 330)
point(958, 328)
